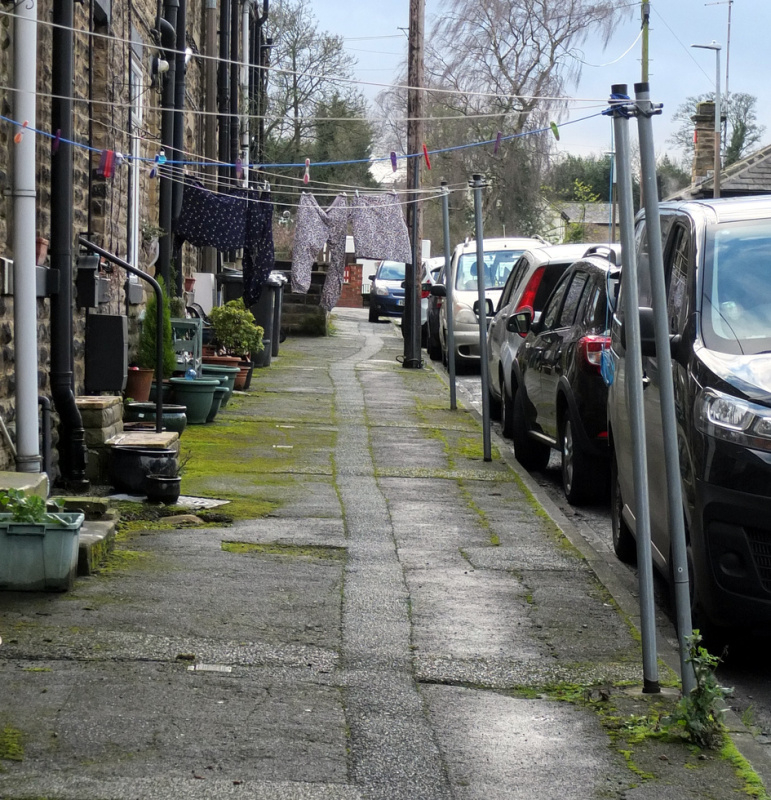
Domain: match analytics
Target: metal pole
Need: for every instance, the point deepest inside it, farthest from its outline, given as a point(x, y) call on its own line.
point(718, 124)
point(411, 315)
point(645, 109)
point(478, 184)
point(634, 388)
point(23, 191)
point(448, 286)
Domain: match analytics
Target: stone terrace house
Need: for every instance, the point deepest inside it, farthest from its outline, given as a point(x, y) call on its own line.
point(123, 57)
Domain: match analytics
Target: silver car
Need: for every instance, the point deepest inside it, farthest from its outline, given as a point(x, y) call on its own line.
point(500, 255)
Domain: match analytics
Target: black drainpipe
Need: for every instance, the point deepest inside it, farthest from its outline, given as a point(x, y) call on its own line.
point(179, 132)
point(223, 91)
point(168, 28)
point(73, 453)
point(235, 87)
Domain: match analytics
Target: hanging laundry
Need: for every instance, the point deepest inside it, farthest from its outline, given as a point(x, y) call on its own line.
point(212, 219)
point(379, 229)
point(259, 255)
point(314, 228)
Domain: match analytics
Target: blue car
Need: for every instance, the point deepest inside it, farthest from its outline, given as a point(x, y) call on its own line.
point(386, 293)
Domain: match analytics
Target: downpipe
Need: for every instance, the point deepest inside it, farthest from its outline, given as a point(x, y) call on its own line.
point(168, 28)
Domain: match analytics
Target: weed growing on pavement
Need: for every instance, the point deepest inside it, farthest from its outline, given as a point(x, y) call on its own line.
point(11, 744)
point(753, 786)
point(699, 714)
point(327, 552)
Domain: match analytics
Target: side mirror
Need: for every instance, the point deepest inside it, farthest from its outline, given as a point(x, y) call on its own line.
point(438, 290)
point(489, 308)
point(520, 322)
point(647, 338)
point(372, 277)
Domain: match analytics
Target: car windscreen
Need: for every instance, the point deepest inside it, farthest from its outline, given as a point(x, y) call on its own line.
point(497, 266)
point(736, 290)
point(391, 271)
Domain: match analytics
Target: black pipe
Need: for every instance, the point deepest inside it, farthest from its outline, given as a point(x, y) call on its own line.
point(168, 28)
point(235, 85)
point(73, 453)
point(45, 425)
point(179, 132)
point(158, 317)
point(223, 89)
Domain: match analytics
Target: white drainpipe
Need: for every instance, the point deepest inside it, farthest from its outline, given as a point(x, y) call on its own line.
point(245, 110)
point(23, 192)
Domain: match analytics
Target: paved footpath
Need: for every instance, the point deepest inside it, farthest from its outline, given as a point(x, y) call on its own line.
point(401, 620)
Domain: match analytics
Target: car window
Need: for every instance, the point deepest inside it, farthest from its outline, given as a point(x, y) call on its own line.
point(677, 267)
point(572, 298)
point(551, 274)
point(515, 276)
point(553, 305)
point(497, 266)
point(391, 271)
point(644, 292)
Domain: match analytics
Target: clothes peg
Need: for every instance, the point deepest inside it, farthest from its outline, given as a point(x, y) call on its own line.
point(56, 141)
point(239, 169)
point(425, 155)
point(105, 164)
point(156, 162)
point(393, 160)
point(497, 143)
point(307, 175)
point(161, 157)
point(20, 135)
point(555, 130)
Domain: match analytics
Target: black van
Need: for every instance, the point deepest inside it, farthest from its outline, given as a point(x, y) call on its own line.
point(717, 263)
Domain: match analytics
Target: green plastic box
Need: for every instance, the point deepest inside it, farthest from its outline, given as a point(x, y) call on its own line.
point(39, 557)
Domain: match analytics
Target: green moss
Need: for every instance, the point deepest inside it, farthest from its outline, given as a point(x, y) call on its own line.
point(122, 559)
point(752, 784)
point(37, 669)
point(278, 549)
point(11, 744)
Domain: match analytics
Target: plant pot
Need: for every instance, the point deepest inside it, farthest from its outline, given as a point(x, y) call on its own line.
point(39, 556)
point(221, 361)
point(138, 382)
point(165, 392)
point(228, 374)
point(41, 251)
point(189, 284)
point(196, 396)
point(219, 393)
point(172, 416)
point(249, 375)
point(163, 488)
point(129, 466)
point(244, 375)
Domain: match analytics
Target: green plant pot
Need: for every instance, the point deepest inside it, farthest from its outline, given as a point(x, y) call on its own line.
point(219, 394)
point(229, 375)
point(196, 396)
point(173, 417)
point(163, 488)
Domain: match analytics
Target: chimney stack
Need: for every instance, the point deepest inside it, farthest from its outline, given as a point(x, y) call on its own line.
point(703, 141)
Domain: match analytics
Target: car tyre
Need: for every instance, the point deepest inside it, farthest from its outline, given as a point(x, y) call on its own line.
point(624, 545)
point(507, 415)
point(582, 475)
point(494, 405)
point(530, 453)
point(373, 315)
point(434, 348)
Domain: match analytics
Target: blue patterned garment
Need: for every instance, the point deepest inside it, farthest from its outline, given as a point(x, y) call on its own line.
point(259, 256)
point(379, 230)
point(212, 219)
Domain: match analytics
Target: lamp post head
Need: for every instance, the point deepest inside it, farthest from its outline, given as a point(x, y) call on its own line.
point(713, 45)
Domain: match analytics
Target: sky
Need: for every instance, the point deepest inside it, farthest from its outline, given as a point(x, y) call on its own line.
point(375, 34)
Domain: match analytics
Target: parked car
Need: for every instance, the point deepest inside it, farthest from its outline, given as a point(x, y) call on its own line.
point(560, 399)
point(499, 258)
point(436, 269)
point(432, 267)
point(717, 263)
point(386, 293)
point(529, 284)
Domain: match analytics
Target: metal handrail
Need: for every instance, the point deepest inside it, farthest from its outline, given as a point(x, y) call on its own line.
point(113, 259)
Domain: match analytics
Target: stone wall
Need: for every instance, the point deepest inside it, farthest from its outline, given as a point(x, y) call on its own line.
point(104, 46)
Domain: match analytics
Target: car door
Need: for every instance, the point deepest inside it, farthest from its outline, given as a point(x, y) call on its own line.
point(532, 352)
point(554, 341)
point(496, 332)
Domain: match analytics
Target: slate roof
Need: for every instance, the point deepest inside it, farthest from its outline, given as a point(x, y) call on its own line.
point(751, 175)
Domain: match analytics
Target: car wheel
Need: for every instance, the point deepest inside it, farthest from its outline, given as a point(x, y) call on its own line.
point(373, 315)
point(494, 405)
point(624, 545)
point(434, 348)
point(424, 336)
point(530, 453)
point(507, 415)
point(583, 477)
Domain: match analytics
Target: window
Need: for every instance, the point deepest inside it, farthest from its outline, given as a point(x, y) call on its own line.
point(552, 307)
point(572, 298)
point(677, 298)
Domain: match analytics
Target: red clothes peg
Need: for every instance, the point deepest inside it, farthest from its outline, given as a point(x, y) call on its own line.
point(20, 135)
point(425, 155)
point(307, 175)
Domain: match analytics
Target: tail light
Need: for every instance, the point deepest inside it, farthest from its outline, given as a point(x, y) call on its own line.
point(590, 349)
point(425, 291)
point(528, 296)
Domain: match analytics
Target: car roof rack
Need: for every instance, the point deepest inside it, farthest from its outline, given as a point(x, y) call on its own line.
point(606, 250)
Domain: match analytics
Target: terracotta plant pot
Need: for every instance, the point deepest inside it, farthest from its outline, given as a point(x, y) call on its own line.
point(189, 284)
point(244, 377)
point(138, 383)
point(41, 251)
point(223, 361)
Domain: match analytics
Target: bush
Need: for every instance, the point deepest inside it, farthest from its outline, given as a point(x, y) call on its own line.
point(234, 329)
point(146, 353)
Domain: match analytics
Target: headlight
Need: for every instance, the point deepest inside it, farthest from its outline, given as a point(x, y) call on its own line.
point(381, 290)
point(733, 419)
point(465, 315)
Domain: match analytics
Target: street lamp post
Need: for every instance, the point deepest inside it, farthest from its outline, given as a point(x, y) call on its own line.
point(718, 138)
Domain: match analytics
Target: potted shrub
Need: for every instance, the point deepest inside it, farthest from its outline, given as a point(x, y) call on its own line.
point(146, 351)
point(38, 547)
point(236, 334)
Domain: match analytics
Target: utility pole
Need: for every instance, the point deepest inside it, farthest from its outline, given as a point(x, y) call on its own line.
point(646, 18)
point(209, 254)
point(411, 317)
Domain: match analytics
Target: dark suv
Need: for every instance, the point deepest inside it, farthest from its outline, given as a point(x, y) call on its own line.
point(717, 267)
point(560, 400)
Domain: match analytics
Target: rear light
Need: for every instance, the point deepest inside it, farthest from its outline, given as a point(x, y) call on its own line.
point(528, 296)
point(424, 293)
point(590, 349)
